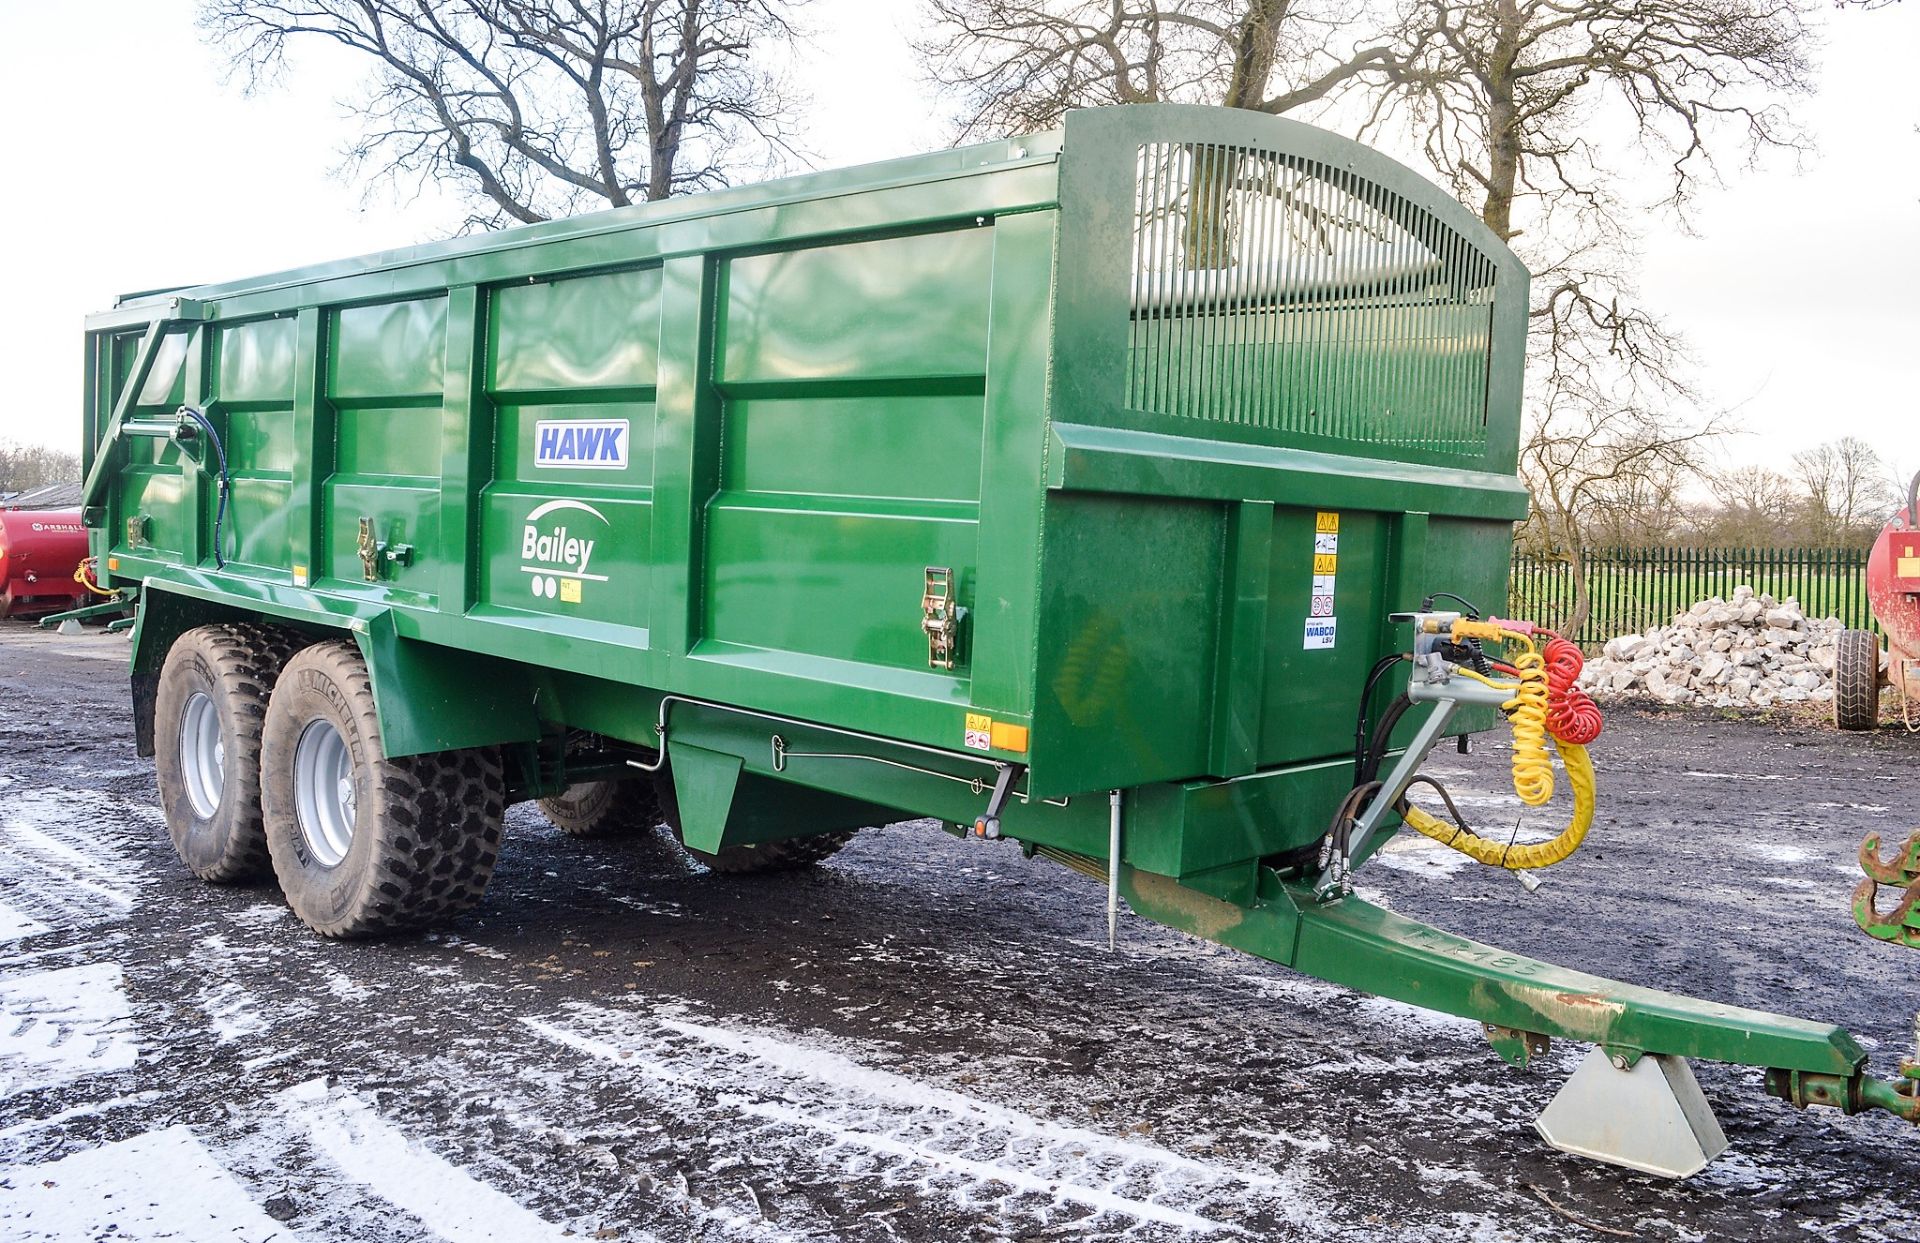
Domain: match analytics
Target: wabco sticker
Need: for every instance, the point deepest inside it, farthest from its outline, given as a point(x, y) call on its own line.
point(1319, 633)
point(557, 551)
point(590, 444)
point(979, 732)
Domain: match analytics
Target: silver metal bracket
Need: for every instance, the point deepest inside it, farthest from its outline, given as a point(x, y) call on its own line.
point(1650, 1116)
point(376, 553)
point(940, 617)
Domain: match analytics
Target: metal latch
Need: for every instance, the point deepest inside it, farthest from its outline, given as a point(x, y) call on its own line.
point(138, 526)
point(374, 553)
point(940, 618)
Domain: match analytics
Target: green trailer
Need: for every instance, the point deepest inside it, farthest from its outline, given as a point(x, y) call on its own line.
point(1074, 490)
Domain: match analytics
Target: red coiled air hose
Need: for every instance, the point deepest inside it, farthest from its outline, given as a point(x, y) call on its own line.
point(1572, 716)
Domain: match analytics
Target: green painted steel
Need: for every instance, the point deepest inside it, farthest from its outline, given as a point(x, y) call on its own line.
point(1186, 401)
point(773, 408)
point(1356, 943)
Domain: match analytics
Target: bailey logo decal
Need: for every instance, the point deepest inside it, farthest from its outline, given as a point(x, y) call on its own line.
point(589, 444)
point(558, 554)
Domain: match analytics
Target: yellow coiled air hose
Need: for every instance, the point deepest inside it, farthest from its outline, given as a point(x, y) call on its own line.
point(1532, 775)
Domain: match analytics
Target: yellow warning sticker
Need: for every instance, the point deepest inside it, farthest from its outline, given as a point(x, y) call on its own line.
point(299, 575)
point(569, 591)
point(1326, 523)
point(1325, 562)
point(979, 736)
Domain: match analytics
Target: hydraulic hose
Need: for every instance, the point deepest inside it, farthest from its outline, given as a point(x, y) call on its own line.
point(226, 484)
point(83, 575)
point(1531, 855)
point(1544, 700)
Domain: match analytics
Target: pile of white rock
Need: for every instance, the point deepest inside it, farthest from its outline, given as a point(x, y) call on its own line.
point(1748, 652)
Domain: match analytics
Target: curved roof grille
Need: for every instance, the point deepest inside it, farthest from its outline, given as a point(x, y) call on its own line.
point(1285, 293)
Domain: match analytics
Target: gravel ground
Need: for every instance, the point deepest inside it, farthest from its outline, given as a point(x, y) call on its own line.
point(926, 1039)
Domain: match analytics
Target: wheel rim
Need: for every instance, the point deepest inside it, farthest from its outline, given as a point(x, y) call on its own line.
point(323, 794)
point(203, 757)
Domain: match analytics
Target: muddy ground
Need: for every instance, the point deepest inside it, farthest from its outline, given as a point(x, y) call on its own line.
point(926, 1039)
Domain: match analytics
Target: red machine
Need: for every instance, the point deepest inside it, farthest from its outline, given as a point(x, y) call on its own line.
point(1893, 583)
point(39, 551)
point(1893, 592)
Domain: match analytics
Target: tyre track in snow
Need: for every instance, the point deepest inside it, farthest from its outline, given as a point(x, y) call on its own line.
point(819, 1105)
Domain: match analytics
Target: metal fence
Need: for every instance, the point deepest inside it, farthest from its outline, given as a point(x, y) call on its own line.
point(1634, 589)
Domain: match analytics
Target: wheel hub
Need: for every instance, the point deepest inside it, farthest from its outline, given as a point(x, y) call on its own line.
point(323, 792)
point(203, 758)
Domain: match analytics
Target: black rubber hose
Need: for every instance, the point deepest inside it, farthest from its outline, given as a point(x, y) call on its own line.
point(1340, 830)
point(220, 455)
point(1382, 738)
point(1361, 730)
point(1473, 610)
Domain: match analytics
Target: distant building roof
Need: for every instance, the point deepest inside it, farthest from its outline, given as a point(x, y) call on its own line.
point(47, 496)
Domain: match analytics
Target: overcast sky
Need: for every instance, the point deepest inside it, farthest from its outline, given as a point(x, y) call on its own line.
point(133, 165)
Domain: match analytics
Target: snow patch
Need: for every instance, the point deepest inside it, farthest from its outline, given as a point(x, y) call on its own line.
point(14, 925)
point(232, 1012)
point(259, 915)
point(161, 1185)
point(1779, 853)
point(447, 1200)
point(58, 1026)
point(1421, 856)
point(1400, 1015)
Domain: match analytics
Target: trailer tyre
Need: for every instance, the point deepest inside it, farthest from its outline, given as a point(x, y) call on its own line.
point(363, 844)
point(790, 855)
point(1856, 680)
point(210, 704)
point(603, 808)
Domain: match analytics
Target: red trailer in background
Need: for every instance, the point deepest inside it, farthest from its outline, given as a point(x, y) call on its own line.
point(1893, 593)
point(39, 551)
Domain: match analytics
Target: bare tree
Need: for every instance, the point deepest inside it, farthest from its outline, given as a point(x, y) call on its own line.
point(33, 466)
point(542, 108)
point(1018, 65)
point(1505, 99)
point(1753, 505)
point(1646, 506)
point(1585, 464)
point(1847, 490)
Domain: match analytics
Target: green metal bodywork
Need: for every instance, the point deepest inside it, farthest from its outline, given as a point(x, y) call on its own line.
point(802, 395)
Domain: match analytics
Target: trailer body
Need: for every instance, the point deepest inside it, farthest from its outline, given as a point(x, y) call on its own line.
point(1064, 489)
point(710, 448)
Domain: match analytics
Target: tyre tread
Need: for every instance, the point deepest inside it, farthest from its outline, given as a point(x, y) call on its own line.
point(446, 810)
point(631, 807)
point(246, 660)
point(1856, 680)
